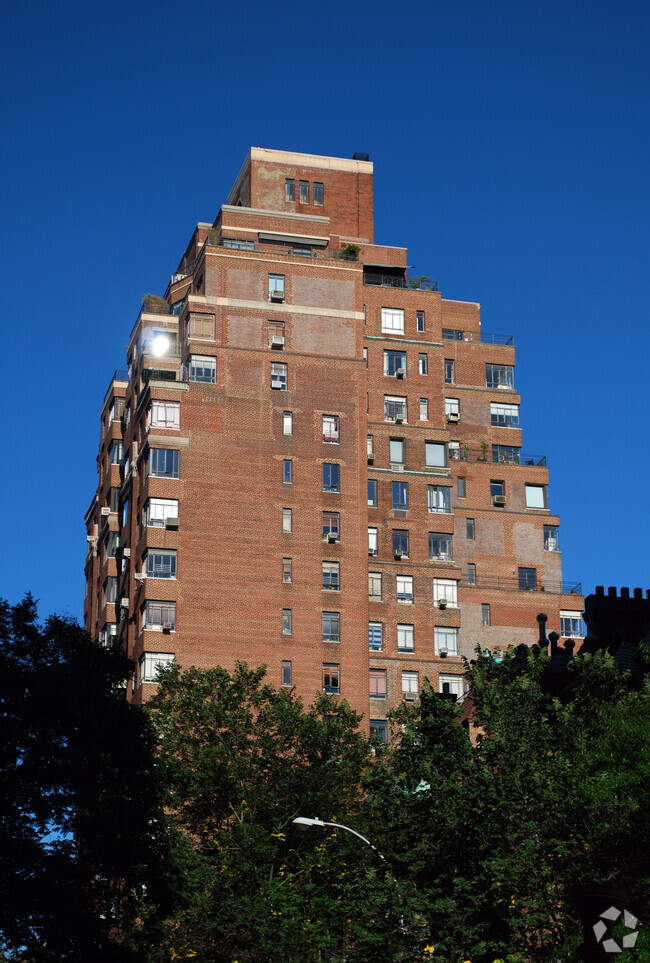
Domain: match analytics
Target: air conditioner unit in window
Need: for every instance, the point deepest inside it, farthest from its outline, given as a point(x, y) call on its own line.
point(399, 418)
point(171, 522)
point(442, 603)
point(443, 653)
point(396, 467)
point(453, 416)
point(126, 552)
point(371, 551)
point(277, 295)
point(277, 341)
point(276, 383)
point(499, 500)
point(139, 576)
point(410, 696)
point(371, 457)
point(124, 603)
point(167, 627)
point(399, 553)
point(104, 512)
point(400, 372)
point(332, 537)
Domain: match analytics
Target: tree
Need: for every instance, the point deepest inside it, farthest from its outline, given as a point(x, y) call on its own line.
point(81, 826)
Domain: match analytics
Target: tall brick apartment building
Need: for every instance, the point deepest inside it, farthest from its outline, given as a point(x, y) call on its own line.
point(314, 465)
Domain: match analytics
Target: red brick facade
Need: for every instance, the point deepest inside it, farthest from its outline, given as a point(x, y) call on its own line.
point(250, 422)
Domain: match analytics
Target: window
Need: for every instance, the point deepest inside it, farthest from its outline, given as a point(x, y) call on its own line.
point(378, 683)
point(462, 488)
point(499, 376)
point(159, 615)
point(400, 542)
point(450, 372)
point(159, 563)
point(374, 586)
point(286, 621)
point(370, 446)
point(379, 729)
point(571, 625)
point(455, 453)
point(151, 662)
point(452, 409)
point(286, 673)
point(331, 678)
point(275, 334)
point(287, 472)
point(404, 588)
point(485, 614)
point(165, 414)
point(163, 463)
point(445, 590)
point(551, 538)
point(112, 545)
point(440, 547)
point(497, 488)
point(330, 524)
point(506, 454)
point(276, 287)
point(318, 193)
point(116, 453)
point(372, 541)
point(419, 320)
point(372, 493)
point(410, 685)
point(331, 429)
point(331, 576)
point(278, 375)
point(236, 244)
point(287, 570)
point(394, 408)
point(395, 363)
point(365, 356)
point(304, 192)
point(110, 590)
point(125, 512)
point(439, 498)
point(289, 189)
point(405, 637)
point(470, 529)
point(114, 500)
point(445, 639)
point(400, 492)
point(203, 369)
point(392, 321)
point(424, 409)
point(201, 326)
point(536, 496)
point(451, 685)
point(423, 364)
point(331, 627)
point(330, 477)
point(108, 635)
point(527, 579)
point(435, 454)
point(287, 423)
point(375, 636)
point(504, 416)
point(471, 573)
point(452, 334)
point(286, 520)
point(396, 451)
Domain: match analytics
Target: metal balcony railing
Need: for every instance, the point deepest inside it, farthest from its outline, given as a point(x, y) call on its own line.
point(552, 585)
point(465, 453)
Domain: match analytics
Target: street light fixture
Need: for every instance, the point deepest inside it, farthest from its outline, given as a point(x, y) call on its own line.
point(307, 822)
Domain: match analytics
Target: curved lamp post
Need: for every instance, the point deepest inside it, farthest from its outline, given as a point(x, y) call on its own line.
point(307, 822)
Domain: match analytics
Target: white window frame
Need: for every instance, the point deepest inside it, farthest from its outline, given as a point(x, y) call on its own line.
point(150, 662)
point(551, 538)
point(276, 283)
point(447, 589)
point(404, 589)
point(373, 541)
point(536, 497)
point(166, 609)
point(331, 425)
point(374, 581)
point(164, 414)
point(504, 416)
point(279, 375)
point(441, 556)
point(439, 499)
point(423, 363)
point(203, 369)
point(456, 685)
point(405, 637)
point(452, 407)
point(391, 362)
point(424, 409)
point(287, 520)
point(445, 639)
point(396, 451)
point(576, 631)
point(158, 570)
point(331, 577)
point(395, 406)
point(375, 629)
point(287, 423)
point(410, 682)
point(392, 320)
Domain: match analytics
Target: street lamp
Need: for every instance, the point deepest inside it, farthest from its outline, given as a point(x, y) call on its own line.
point(307, 822)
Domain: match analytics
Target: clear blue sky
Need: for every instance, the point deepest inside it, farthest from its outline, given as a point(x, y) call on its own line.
point(510, 143)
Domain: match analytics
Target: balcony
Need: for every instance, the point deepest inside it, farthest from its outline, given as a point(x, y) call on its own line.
point(551, 585)
point(397, 281)
point(465, 453)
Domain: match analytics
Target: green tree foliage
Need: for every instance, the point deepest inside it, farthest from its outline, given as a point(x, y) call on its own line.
point(78, 805)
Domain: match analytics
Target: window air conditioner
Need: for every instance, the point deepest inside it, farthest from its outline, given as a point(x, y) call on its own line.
point(443, 653)
point(332, 537)
point(139, 576)
point(399, 418)
point(277, 341)
point(499, 500)
point(124, 603)
point(453, 416)
point(105, 512)
point(400, 372)
point(410, 696)
point(371, 551)
point(396, 467)
point(275, 383)
point(277, 295)
point(442, 603)
point(399, 553)
point(166, 627)
point(171, 522)
point(371, 457)
point(126, 552)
